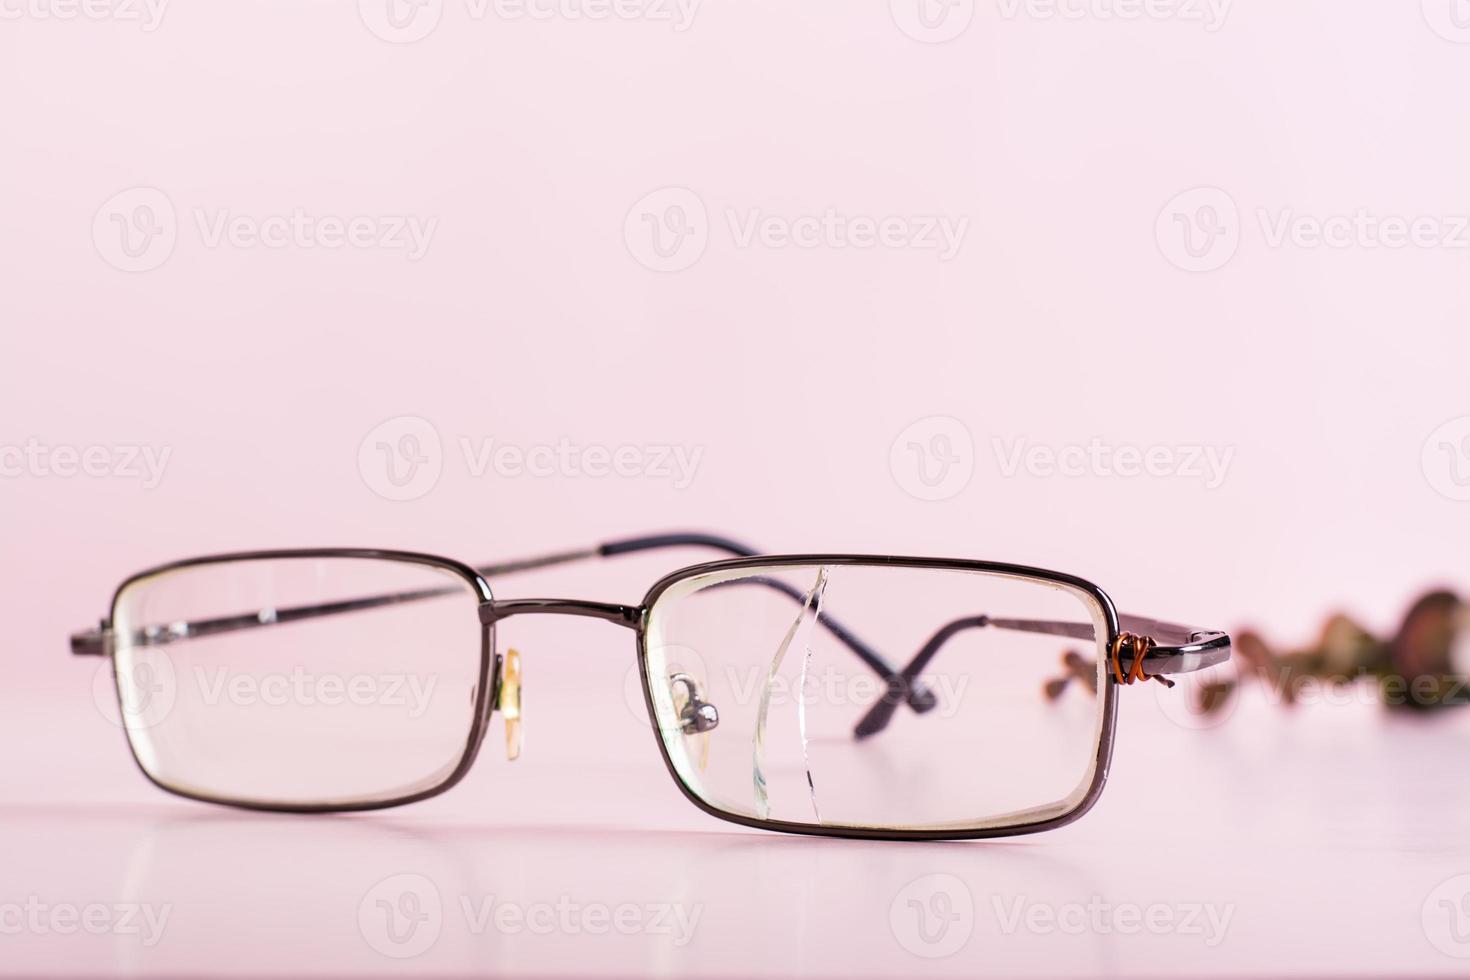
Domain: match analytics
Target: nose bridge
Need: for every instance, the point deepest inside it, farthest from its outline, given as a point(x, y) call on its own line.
point(498, 609)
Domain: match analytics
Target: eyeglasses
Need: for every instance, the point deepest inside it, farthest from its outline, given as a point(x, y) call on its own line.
point(347, 679)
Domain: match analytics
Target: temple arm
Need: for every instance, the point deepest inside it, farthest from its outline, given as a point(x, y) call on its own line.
point(92, 642)
point(916, 695)
point(1163, 648)
point(98, 641)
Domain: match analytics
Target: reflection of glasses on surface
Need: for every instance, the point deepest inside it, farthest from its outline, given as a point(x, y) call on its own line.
point(351, 679)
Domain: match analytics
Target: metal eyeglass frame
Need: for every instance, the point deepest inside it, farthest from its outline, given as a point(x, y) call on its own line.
point(1169, 649)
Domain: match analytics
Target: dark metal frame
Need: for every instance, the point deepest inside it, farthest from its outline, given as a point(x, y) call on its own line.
point(487, 688)
point(1109, 694)
point(1183, 650)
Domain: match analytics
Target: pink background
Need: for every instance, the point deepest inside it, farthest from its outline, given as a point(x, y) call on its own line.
point(531, 320)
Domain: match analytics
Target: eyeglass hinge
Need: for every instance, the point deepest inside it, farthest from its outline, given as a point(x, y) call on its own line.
point(1138, 648)
point(93, 643)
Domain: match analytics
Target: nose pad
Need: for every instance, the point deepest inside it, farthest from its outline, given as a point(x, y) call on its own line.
point(508, 703)
point(697, 717)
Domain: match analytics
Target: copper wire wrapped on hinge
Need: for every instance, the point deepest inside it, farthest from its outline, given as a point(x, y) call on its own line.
point(1138, 648)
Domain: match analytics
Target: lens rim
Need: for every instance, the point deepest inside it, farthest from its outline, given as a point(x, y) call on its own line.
point(485, 698)
point(1108, 692)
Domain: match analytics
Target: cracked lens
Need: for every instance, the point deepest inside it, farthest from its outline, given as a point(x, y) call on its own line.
point(811, 607)
point(796, 666)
